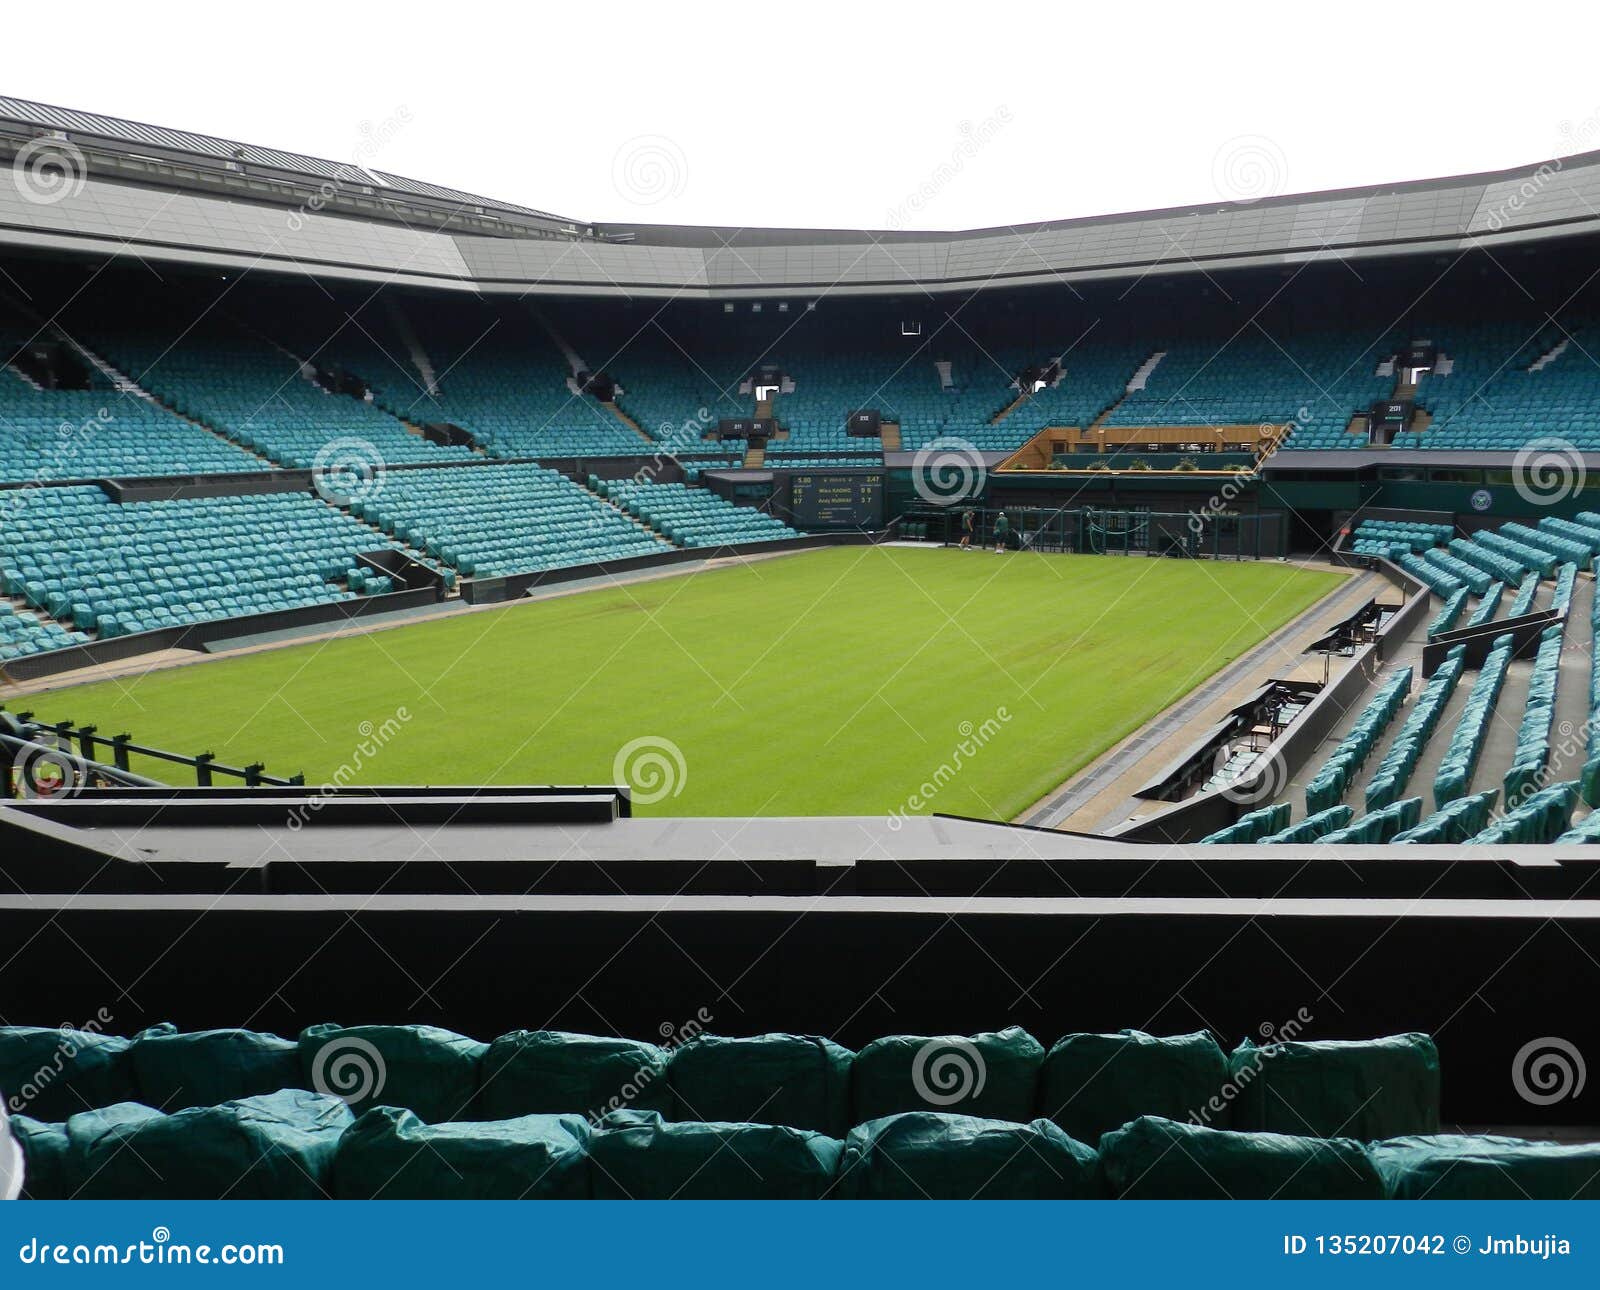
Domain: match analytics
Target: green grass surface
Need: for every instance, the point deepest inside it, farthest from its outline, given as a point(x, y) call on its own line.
point(837, 681)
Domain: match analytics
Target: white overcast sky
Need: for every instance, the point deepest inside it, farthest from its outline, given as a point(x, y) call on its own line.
point(929, 115)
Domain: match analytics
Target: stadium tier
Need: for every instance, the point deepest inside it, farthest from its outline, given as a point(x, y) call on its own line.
point(1544, 776)
point(491, 521)
point(268, 401)
point(116, 570)
point(508, 386)
point(692, 517)
point(1314, 382)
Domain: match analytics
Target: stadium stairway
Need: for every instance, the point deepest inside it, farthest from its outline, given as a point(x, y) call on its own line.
point(615, 409)
point(1009, 408)
point(592, 486)
point(1136, 382)
point(1099, 797)
point(413, 343)
point(1571, 711)
point(120, 380)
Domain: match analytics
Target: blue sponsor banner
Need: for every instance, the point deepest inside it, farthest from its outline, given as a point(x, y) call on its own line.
point(733, 1244)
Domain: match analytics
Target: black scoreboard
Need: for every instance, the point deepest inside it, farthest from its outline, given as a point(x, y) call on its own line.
point(837, 499)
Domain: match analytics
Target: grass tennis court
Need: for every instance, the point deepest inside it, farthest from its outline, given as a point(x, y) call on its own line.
point(839, 681)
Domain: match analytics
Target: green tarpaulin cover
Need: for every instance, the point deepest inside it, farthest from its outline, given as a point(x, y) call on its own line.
point(56, 1153)
point(993, 1075)
point(935, 1156)
point(636, 1155)
point(389, 1154)
point(1377, 1088)
point(1156, 1159)
point(1091, 1084)
point(207, 1067)
point(51, 1073)
point(802, 1081)
point(278, 1146)
point(424, 1069)
point(551, 1072)
point(1458, 1167)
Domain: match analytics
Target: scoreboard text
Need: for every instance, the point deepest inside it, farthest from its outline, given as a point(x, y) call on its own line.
point(834, 500)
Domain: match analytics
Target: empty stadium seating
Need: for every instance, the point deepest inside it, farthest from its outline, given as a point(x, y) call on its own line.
point(1327, 788)
point(1313, 381)
point(1491, 400)
point(1524, 807)
point(119, 569)
point(693, 517)
point(495, 520)
point(102, 430)
point(264, 399)
point(509, 388)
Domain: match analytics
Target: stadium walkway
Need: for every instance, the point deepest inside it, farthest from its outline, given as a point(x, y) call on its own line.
point(1100, 796)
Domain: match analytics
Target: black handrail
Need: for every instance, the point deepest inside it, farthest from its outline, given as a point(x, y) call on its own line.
point(19, 732)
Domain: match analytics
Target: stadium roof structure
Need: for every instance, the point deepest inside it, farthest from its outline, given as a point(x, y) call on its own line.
point(97, 185)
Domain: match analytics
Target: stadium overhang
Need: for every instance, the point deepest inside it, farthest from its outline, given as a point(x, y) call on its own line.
point(107, 188)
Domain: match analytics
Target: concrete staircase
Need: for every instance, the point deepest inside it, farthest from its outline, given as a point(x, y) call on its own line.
point(1009, 408)
point(574, 359)
point(120, 380)
point(755, 454)
point(628, 421)
point(889, 434)
point(1141, 374)
point(1140, 377)
point(1550, 355)
point(408, 337)
point(633, 519)
point(26, 379)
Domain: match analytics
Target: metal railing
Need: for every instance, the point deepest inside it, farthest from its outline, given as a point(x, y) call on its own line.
point(29, 747)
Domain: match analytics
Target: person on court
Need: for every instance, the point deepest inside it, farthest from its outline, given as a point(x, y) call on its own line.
point(1002, 531)
point(966, 529)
